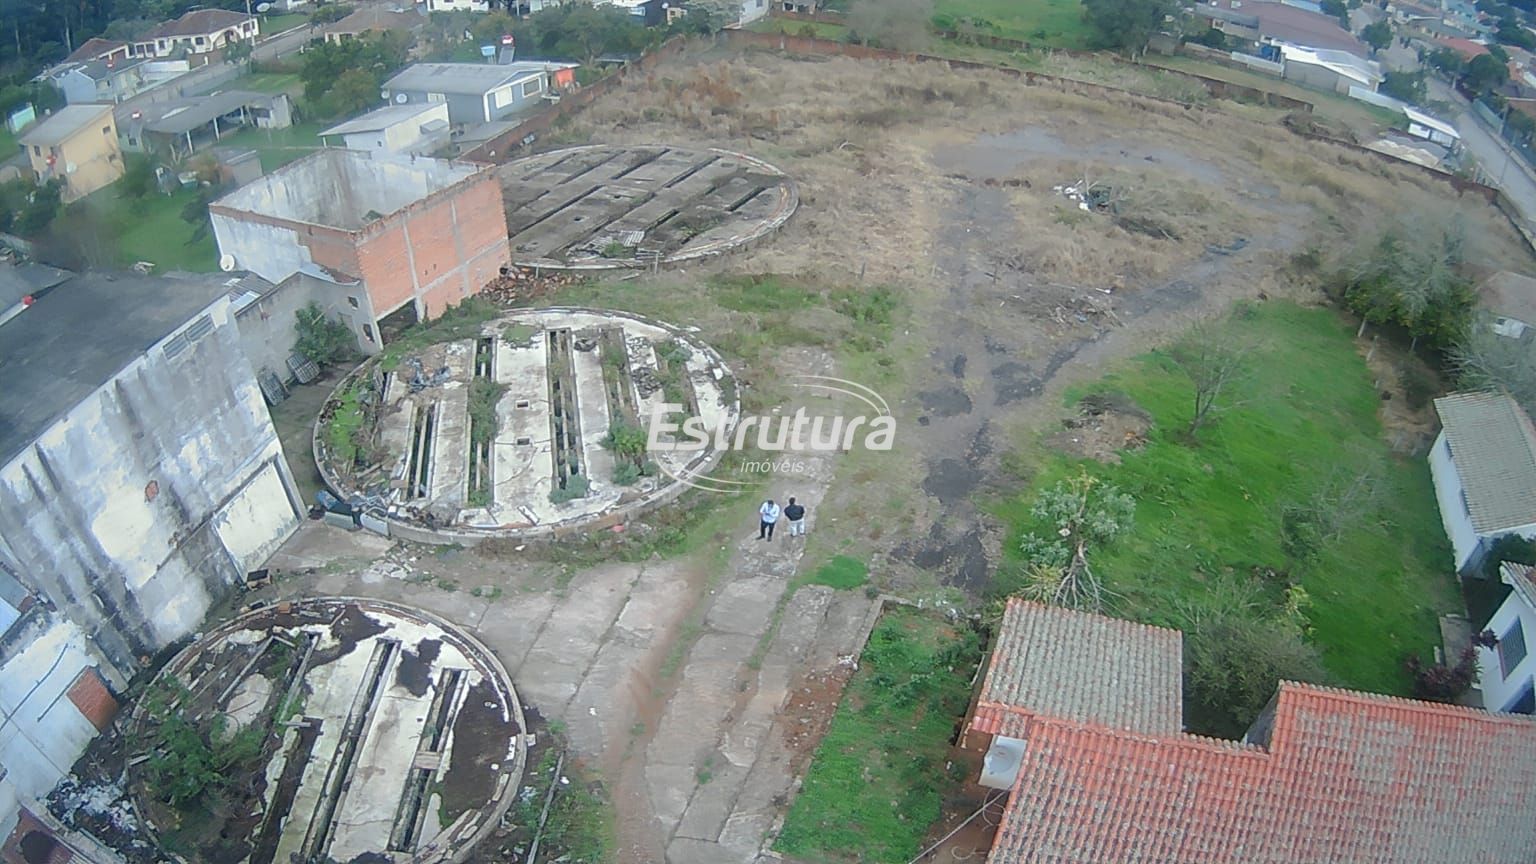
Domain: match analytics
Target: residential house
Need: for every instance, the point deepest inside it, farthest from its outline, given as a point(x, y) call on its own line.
point(1511, 299)
point(181, 127)
point(1271, 21)
point(650, 13)
point(140, 481)
point(374, 19)
point(1465, 47)
point(1098, 774)
point(1506, 672)
point(100, 80)
point(419, 128)
point(478, 92)
point(197, 32)
point(78, 145)
point(1484, 467)
point(751, 10)
point(381, 239)
point(96, 48)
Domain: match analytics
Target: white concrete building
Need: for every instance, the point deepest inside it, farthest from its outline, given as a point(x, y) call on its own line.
point(1484, 468)
point(1506, 672)
point(417, 128)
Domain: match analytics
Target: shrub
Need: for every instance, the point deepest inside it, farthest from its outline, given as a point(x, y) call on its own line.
point(323, 340)
point(626, 473)
point(576, 486)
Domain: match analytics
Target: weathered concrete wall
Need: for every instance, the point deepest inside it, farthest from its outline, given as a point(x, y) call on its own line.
point(267, 326)
point(120, 513)
point(437, 251)
point(43, 732)
point(338, 188)
point(271, 251)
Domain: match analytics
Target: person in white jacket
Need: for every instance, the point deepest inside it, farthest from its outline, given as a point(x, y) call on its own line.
point(769, 513)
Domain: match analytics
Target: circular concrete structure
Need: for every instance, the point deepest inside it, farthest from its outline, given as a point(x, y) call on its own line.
point(606, 207)
point(378, 732)
point(538, 425)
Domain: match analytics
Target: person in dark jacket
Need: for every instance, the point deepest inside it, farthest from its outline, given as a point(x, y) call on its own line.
point(795, 513)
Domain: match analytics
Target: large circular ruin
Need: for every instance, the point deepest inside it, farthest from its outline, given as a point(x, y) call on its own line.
point(333, 729)
point(605, 206)
point(533, 424)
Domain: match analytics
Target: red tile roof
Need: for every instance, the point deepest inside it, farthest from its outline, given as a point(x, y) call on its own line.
point(1077, 666)
point(1340, 778)
point(1465, 47)
point(95, 48)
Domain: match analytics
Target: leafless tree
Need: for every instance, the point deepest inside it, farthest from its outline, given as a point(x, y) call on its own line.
point(1214, 360)
point(1485, 360)
point(901, 25)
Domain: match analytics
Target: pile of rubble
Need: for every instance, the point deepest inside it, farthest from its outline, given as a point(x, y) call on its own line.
point(1089, 196)
point(521, 284)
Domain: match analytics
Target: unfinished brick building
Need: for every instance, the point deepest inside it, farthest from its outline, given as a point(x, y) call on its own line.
point(381, 241)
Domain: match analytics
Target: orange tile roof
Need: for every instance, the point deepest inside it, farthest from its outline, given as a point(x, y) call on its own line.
point(1337, 778)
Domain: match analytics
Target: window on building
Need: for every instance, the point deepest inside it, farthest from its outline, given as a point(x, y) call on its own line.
point(435, 97)
point(1511, 649)
point(199, 40)
point(352, 301)
point(368, 332)
point(106, 130)
point(36, 150)
point(532, 88)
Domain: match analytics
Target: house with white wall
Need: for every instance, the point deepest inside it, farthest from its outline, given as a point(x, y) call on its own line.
point(197, 32)
point(1484, 467)
point(416, 127)
point(1506, 672)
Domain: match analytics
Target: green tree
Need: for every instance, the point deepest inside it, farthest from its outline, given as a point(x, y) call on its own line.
point(138, 178)
point(1214, 361)
point(42, 206)
point(324, 340)
point(1510, 32)
point(1338, 9)
point(1378, 35)
point(1411, 276)
point(1406, 86)
point(1126, 25)
point(355, 90)
point(1484, 74)
point(1212, 38)
point(707, 17)
point(238, 51)
point(1236, 652)
point(195, 211)
point(583, 32)
point(1447, 61)
point(328, 14)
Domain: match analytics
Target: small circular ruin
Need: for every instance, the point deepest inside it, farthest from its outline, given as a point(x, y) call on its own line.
point(605, 206)
point(537, 423)
point(334, 729)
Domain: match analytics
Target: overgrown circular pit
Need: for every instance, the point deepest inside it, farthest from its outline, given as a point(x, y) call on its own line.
point(530, 424)
point(609, 207)
point(333, 729)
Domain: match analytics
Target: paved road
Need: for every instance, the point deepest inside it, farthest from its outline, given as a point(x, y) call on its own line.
point(1503, 167)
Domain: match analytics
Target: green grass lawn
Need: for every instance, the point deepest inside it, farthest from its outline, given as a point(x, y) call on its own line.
point(271, 25)
point(150, 229)
point(269, 82)
point(278, 147)
point(1050, 23)
point(877, 781)
point(1211, 512)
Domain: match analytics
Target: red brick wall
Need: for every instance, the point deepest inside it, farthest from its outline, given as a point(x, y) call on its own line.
point(441, 249)
point(89, 693)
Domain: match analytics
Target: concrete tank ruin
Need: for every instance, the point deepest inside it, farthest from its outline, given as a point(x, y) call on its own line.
point(534, 424)
point(338, 729)
point(605, 206)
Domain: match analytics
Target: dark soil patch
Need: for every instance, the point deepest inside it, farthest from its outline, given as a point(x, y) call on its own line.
point(1104, 425)
point(961, 561)
point(415, 670)
point(480, 735)
point(946, 401)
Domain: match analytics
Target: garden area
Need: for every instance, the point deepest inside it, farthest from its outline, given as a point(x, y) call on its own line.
point(878, 780)
point(1279, 531)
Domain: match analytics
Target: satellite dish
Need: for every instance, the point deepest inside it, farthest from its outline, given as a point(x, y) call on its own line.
point(400, 98)
point(70, 167)
point(264, 8)
point(227, 263)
